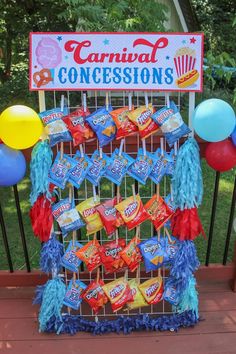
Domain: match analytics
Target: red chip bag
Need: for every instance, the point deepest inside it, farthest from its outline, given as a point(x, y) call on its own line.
point(79, 129)
point(159, 211)
point(131, 254)
point(95, 296)
point(109, 215)
point(132, 211)
point(89, 254)
point(124, 126)
point(110, 255)
point(119, 293)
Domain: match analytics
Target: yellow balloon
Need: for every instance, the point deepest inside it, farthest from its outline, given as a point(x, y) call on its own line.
point(20, 127)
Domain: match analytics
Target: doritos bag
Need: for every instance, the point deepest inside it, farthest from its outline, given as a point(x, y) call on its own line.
point(90, 214)
point(153, 252)
point(141, 117)
point(132, 211)
point(95, 296)
point(124, 126)
point(110, 255)
point(109, 216)
point(119, 293)
point(152, 290)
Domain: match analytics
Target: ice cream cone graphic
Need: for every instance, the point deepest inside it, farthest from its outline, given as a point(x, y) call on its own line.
point(185, 61)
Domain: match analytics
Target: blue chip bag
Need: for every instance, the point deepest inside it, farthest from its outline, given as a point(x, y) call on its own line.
point(60, 171)
point(70, 260)
point(170, 293)
point(73, 297)
point(79, 172)
point(170, 204)
point(171, 250)
point(118, 166)
point(67, 216)
point(170, 166)
point(103, 125)
point(171, 123)
point(158, 170)
point(142, 166)
point(153, 252)
point(98, 167)
point(55, 127)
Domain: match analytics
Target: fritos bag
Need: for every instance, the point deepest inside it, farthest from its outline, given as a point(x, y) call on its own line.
point(119, 293)
point(152, 290)
point(110, 255)
point(141, 117)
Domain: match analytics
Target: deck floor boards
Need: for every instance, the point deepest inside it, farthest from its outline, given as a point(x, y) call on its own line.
point(216, 334)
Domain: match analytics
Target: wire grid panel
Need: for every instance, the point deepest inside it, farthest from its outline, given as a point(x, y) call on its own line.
point(107, 190)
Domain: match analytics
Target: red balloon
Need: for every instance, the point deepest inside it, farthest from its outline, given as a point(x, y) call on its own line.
point(221, 156)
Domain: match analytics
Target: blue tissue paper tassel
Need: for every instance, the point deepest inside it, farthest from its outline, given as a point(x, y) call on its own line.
point(185, 263)
point(38, 297)
point(52, 302)
point(189, 299)
point(72, 324)
point(187, 179)
point(51, 255)
point(41, 161)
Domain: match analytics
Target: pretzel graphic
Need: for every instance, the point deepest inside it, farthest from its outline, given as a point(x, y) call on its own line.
point(42, 77)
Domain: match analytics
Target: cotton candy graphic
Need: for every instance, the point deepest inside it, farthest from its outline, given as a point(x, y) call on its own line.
point(48, 53)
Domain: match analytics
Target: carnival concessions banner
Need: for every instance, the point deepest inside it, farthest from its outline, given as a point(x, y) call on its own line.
point(116, 61)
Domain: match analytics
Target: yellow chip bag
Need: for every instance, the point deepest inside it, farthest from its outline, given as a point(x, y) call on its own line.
point(152, 290)
point(139, 300)
point(141, 117)
point(118, 292)
point(90, 214)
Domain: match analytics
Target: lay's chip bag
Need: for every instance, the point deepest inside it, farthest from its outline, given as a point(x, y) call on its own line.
point(171, 123)
point(142, 118)
point(119, 293)
point(132, 211)
point(139, 301)
point(124, 126)
point(89, 255)
point(88, 211)
point(80, 170)
point(54, 126)
point(79, 129)
point(152, 290)
point(98, 167)
point(60, 170)
point(118, 166)
point(103, 125)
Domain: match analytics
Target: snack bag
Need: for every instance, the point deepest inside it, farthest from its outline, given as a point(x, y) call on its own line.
point(141, 117)
point(142, 166)
point(171, 206)
point(110, 217)
point(103, 125)
point(94, 295)
point(89, 255)
point(73, 297)
point(90, 215)
point(60, 170)
point(152, 290)
point(139, 300)
point(98, 167)
point(110, 255)
point(80, 170)
point(118, 167)
point(158, 210)
point(171, 159)
point(153, 252)
point(54, 125)
point(171, 123)
point(67, 216)
point(159, 167)
point(119, 293)
point(132, 211)
point(124, 126)
point(171, 249)
point(131, 254)
point(79, 129)
point(170, 293)
point(70, 260)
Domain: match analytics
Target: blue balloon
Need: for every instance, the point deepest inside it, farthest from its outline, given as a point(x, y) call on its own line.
point(233, 136)
point(214, 120)
point(12, 166)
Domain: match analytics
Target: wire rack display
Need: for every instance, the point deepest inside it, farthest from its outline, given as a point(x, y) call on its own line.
point(107, 190)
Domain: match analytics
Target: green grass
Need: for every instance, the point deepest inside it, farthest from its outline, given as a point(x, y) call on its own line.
point(220, 229)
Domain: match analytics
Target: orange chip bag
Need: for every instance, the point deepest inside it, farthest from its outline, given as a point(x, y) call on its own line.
point(95, 296)
point(90, 214)
point(141, 117)
point(118, 292)
point(89, 254)
point(124, 126)
point(131, 254)
point(110, 255)
point(139, 300)
point(132, 211)
point(158, 210)
point(152, 290)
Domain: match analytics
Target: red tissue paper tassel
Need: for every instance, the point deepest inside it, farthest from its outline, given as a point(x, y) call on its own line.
point(186, 225)
point(41, 218)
